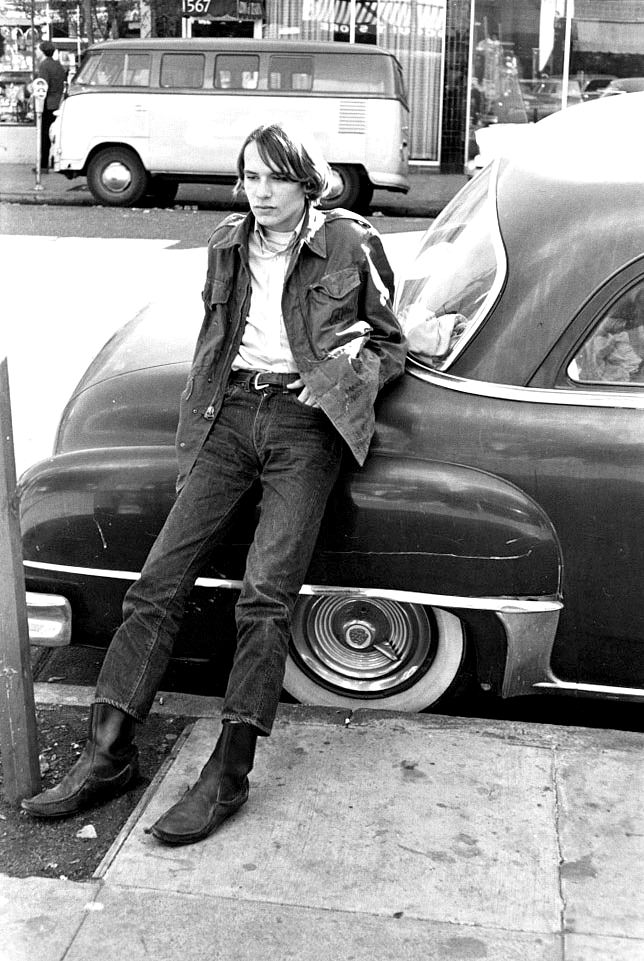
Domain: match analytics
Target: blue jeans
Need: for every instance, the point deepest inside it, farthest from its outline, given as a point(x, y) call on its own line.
point(295, 453)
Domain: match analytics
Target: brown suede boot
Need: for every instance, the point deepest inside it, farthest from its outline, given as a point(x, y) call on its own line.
point(221, 790)
point(106, 768)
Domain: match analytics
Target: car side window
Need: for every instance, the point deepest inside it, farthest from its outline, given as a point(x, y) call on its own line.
point(614, 351)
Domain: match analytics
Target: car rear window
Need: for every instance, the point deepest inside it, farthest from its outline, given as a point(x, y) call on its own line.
point(455, 278)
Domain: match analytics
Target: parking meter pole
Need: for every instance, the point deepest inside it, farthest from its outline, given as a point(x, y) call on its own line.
point(38, 148)
point(18, 733)
point(40, 87)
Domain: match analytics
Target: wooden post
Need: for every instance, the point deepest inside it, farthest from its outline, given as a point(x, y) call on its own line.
point(18, 736)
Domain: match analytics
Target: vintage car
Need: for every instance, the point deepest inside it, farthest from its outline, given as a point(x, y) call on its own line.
point(623, 85)
point(544, 97)
point(495, 532)
point(594, 84)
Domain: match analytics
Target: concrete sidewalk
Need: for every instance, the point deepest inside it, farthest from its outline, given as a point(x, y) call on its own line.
point(370, 837)
point(429, 192)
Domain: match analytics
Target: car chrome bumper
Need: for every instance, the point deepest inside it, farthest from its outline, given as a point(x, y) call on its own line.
point(50, 620)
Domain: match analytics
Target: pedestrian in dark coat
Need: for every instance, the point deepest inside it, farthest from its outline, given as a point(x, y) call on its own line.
point(55, 74)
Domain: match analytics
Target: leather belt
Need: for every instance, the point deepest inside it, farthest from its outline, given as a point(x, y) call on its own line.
point(261, 379)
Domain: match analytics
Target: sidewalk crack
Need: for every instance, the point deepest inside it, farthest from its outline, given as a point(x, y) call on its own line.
point(560, 856)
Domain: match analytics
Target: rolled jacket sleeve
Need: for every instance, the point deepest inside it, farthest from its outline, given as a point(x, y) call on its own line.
point(386, 340)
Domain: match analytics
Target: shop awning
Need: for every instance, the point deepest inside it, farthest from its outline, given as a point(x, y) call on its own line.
point(601, 36)
point(429, 16)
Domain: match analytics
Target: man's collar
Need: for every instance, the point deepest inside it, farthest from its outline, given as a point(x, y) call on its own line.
point(313, 232)
point(262, 237)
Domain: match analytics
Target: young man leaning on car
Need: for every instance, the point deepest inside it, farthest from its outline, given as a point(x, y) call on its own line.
point(298, 338)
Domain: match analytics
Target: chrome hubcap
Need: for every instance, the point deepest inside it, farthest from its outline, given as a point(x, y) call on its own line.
point(359, 635)
point(116, 177)
point(365, 646)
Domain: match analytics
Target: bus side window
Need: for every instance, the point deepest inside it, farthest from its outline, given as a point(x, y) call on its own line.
point(137, 70)
point(182, 71)
point(290, 73)
point(236, 72)
point(356, 73)
point(111, 70)
point(88, 70)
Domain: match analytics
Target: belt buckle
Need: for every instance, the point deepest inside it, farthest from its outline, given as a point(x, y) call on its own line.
point(256, 384)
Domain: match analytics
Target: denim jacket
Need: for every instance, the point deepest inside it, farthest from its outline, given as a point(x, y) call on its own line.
point(338, 292)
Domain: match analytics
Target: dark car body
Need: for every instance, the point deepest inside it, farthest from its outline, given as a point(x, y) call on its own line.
point(594, 85)
point(544, 97)
point(496, 526)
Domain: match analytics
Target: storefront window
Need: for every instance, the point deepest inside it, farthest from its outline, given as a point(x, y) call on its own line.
point(15, 103)
point(533, 59)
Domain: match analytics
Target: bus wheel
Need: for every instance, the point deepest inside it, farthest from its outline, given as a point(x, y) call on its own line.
point(356, 651)
point(162, 191)
point(345, 188)
point(117, 177)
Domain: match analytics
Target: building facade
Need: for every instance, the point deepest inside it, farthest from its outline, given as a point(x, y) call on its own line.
point(466, 63)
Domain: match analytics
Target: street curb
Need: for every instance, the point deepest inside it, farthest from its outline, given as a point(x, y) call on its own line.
point(139, 810)
point(42, 200)
point(538, 734)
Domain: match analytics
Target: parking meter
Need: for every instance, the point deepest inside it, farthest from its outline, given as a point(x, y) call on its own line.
point(39, 90)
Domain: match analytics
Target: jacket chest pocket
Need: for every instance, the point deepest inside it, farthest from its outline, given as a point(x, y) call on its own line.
point(333, 299)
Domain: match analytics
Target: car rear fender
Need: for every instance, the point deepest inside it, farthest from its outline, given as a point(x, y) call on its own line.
point(440, 527)
point(451, 536)
point(98, 508)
